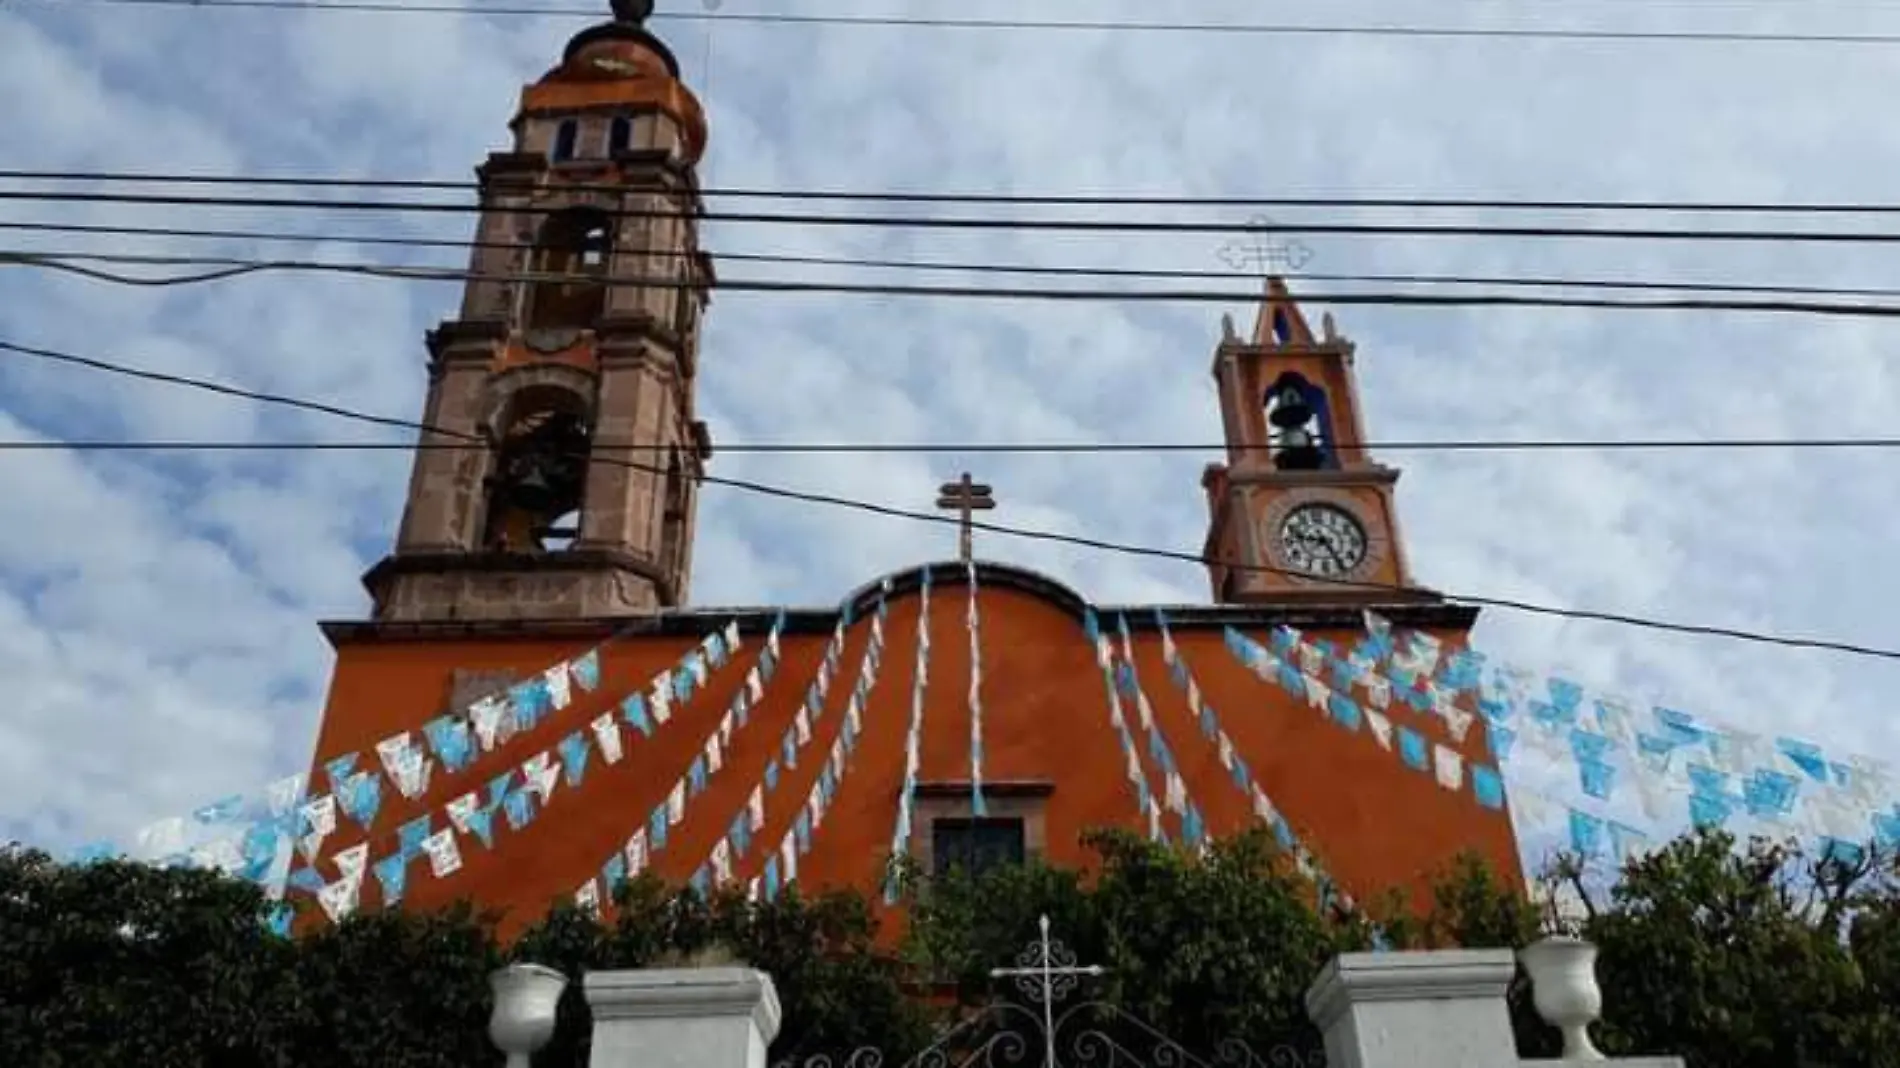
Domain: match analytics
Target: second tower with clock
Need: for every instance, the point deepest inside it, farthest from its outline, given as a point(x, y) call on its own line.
point(1299, 513)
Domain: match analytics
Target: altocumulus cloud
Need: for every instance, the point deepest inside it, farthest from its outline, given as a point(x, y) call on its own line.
point(157, 611)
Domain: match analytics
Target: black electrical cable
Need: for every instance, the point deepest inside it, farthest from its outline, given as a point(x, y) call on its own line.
point(871, 508)
point(1113, 226)
point(1005, 448)
point(948, 266)
point(1014, 199)
point(1064, 25)
point(1856, 309)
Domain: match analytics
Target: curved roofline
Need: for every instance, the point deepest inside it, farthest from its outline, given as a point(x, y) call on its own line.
point(955, 572)
point(622, 31)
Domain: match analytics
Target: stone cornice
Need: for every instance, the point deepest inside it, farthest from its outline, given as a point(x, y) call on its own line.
point(684, 993)
point(1356, 978)
point(758, 619)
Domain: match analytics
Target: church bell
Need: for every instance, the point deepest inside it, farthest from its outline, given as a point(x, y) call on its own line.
point(1288, 408)
point(533, 490)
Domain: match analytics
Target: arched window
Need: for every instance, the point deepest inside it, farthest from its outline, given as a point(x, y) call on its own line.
point(573, 247)
point(1299, 427)
point(619, 135)
point(565, 136)
point(534, 493)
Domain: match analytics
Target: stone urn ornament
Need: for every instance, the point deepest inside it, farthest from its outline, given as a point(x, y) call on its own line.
point(527, 997)
point(1563, 973)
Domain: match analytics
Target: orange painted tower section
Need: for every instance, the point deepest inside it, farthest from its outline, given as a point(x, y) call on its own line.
point(534, 712)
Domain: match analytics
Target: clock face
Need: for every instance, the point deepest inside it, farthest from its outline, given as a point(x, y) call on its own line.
point(1322, 540)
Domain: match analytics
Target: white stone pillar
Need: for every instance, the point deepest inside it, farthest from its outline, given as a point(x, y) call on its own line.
point(1437, 1009)
point(681, 1017)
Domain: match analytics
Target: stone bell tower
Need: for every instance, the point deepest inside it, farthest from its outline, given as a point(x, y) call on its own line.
point(1300, 513)
point(559, 476)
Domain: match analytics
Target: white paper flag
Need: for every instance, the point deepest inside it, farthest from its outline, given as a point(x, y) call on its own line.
point(351, 862)
point(282, 796)
point(1317, 692)
point(660, 697)
point(636, 853)
point(607, 737)
point(1448, 766)
point(444, 858)
point(541, 771)
point(462, 811)
point(486, 716)
point(560, 692)
point(338, 899)
point(1381, 728)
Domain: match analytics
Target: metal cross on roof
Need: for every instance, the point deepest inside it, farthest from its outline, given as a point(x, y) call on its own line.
point(965, 498)
point(1260, 251)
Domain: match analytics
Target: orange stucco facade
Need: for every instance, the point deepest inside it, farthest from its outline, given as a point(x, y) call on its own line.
point(572, 527)
point(1371, 822)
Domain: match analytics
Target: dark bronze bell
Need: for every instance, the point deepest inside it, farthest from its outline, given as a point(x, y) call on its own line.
point(532, 491)
point(1298, 451)
point(1288, 407)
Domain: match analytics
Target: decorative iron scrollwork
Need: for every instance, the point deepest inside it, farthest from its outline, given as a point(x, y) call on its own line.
point(1089, 1034)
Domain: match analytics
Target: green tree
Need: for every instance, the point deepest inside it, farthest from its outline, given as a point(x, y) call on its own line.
point(1203, 949)
point(836, 990)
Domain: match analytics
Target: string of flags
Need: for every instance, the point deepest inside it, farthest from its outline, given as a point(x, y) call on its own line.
point(1675, 768)
point(1137, 776)
point(750, 820)
point(977, 806)
point(238, 835)
point(1174, 786)
point(519, 794)
point(1317, 672)
point(781, 867)
point(913, 736)
point(1238, 771)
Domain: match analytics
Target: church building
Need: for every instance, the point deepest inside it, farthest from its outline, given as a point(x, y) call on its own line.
point(535, 710)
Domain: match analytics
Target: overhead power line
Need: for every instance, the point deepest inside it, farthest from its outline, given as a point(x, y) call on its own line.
point(872, 508)
point(1259, 29)
point(964, 266)
point(1007, 448)
point(980, 223)
point(1023, 199)
point(270, 236)
point(1848, 309)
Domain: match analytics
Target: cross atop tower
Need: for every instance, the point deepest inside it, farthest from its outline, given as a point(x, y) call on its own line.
point(1259, 251)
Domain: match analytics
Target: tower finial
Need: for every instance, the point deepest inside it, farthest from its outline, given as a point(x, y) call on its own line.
point(634, 12)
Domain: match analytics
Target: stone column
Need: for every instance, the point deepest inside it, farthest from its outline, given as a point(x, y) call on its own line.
point(443, 509)
point(681, 1018)
point(1438, 1009)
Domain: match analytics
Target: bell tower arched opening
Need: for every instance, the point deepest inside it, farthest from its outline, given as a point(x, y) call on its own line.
point(1299, 426)
point(570, 260)
point(535, 493)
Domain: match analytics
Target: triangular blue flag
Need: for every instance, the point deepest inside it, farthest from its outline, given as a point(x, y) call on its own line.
point(393, 873)
point(634, 711)
point(573, 749)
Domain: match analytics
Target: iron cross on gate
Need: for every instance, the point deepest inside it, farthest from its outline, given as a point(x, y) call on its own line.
point(965, 498)
point(1047, 972)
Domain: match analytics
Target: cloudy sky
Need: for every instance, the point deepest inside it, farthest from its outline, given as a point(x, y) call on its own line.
point(157, 610)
